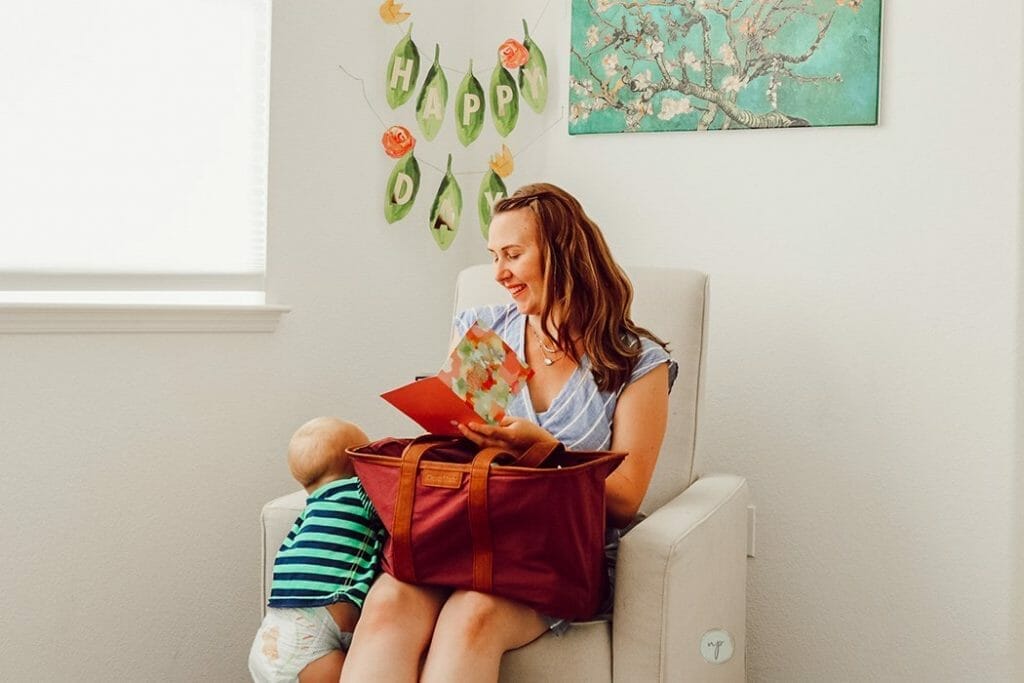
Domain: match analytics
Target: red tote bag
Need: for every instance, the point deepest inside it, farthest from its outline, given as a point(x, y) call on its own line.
point(529, 528)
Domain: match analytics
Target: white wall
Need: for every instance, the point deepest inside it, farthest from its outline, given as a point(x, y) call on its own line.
point(861, 368)
point(135, 466)
point(1018, 518)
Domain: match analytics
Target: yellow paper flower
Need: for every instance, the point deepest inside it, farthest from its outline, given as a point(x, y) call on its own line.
point(501, 163)
point(391, 12)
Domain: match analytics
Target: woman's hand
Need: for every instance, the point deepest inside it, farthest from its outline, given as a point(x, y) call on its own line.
point(514, 433)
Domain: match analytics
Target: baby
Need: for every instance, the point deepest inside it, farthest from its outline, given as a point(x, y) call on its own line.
point(325, 565)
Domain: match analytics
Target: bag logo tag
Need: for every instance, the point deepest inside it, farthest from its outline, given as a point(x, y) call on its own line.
point(441, 479)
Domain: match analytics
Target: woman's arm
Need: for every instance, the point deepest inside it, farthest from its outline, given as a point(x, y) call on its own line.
point(638, 427)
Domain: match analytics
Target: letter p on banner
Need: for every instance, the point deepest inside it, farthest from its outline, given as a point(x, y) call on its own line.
point(470, 106)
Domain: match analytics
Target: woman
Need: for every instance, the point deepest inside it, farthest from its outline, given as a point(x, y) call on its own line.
point(600, 382)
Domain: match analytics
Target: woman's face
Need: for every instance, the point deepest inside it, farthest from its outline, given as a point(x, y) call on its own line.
point(514, 243)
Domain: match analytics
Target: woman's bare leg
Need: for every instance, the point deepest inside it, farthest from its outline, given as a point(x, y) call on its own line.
point(472, 632)
point(393, 632)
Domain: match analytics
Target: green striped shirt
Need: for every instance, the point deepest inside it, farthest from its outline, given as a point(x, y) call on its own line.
point(331, 553)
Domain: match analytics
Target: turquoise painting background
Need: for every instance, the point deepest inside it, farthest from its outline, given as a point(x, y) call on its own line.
point(850, 47)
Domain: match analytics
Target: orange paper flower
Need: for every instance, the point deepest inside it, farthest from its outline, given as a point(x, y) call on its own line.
point(391, 12)
point(501, 163)
point(513, 54)
point(397, 141)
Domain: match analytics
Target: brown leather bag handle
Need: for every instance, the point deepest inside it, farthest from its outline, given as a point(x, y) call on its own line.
point(537, 454)
point(479, 515)
point(401, 534)
point(479, 518)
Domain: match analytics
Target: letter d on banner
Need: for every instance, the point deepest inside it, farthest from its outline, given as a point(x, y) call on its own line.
point(404, 189)
point(403, 185)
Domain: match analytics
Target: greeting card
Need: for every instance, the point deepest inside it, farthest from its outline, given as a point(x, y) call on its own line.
point(478, 380)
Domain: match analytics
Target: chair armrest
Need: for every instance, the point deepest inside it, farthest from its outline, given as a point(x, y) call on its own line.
point(682, 572)
point(276, 520)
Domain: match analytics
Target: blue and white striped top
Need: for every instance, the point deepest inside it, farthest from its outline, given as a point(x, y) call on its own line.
point(580, 416)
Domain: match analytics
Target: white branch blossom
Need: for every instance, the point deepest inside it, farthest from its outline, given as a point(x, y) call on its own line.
point(610, 62)
point(733, 83)
point(642, 80)
point(672, 107)
point(690, 60)
point(728, 56)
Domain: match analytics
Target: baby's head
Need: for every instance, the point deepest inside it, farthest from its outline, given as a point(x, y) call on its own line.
point(316, 452)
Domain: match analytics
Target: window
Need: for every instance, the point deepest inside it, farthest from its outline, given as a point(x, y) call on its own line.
point(135, 152)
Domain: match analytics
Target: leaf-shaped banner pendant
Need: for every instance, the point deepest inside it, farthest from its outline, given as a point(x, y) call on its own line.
point(403, 70)
point(446, 210)
point(433, 98)
point(533, 76)
point(504, 100)
point(403, 184)
point(492, 188)
point(469, 108)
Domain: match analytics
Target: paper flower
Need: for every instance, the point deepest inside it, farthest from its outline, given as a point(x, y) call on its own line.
point(391, 12)
point(501, 163)
point(513, 54)
point(397, 141)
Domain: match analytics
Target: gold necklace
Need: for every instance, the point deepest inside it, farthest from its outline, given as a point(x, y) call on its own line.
point(544, 348)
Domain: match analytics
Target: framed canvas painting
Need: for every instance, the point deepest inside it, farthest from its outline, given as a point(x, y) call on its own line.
point(659, 65)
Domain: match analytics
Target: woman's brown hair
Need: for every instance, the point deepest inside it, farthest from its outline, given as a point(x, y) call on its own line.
point(583, 281)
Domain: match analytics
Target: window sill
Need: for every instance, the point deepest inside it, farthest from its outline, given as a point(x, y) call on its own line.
point(58, 318)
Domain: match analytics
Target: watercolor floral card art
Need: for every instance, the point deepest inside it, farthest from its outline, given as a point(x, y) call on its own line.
point(479, 378)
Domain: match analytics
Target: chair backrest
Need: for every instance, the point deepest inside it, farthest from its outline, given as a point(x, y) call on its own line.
point(673, 304)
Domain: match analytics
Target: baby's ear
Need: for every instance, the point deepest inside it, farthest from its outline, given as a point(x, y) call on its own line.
point(295, 469)
point(306, 468)
point(343, 465)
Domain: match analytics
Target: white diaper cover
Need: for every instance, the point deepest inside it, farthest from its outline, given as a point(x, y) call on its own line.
point(289, 639)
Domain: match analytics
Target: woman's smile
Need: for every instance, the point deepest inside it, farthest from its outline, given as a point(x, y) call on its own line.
point(515, 247)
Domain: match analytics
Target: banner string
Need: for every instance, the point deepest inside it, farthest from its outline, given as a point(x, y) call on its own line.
point(439, 169)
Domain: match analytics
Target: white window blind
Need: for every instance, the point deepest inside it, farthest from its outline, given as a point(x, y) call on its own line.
point(134, 149)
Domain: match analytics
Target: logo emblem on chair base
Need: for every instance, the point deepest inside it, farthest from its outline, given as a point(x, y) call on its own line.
point(716, 645)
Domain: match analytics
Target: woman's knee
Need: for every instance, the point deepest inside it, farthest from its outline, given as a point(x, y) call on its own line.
point(393, 604)
point(475, 618)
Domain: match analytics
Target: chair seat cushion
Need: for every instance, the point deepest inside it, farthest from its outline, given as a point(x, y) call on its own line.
point(585, 650)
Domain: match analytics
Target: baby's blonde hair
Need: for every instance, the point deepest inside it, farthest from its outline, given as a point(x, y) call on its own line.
point(316, 452)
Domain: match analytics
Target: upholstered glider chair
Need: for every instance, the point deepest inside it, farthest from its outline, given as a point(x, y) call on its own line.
point(680, 599)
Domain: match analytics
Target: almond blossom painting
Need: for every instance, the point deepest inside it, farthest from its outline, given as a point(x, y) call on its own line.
point(658, 65)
